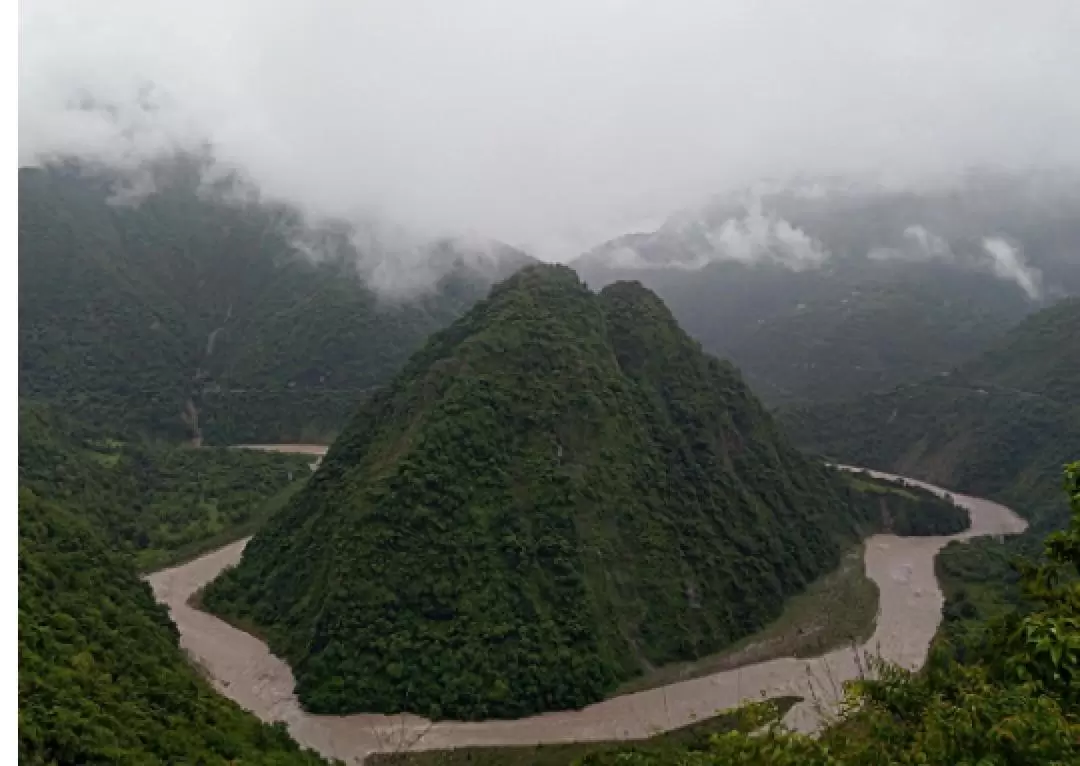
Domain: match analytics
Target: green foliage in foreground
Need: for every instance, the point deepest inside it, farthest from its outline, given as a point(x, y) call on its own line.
point(102, 679)
point(1016, 703)
point(558, 491)
point(158, 502)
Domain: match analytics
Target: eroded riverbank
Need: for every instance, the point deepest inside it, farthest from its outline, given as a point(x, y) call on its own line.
point(242, 667)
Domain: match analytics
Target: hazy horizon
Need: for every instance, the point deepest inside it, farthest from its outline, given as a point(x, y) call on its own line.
point(551, 127)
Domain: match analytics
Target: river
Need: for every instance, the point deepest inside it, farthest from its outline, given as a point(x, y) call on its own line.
point(242, 668)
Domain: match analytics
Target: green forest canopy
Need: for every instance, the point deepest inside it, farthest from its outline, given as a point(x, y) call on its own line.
point(102, 679)
point(193, 313)
point(1000, 426)
point(157, 501)
point(1015, 701)
point(559, 489)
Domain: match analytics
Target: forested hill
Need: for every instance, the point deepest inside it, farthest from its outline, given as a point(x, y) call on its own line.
point(557, 491)
point(1000, 426)
point(190, 310)
point(102, 678)
point(156, 502)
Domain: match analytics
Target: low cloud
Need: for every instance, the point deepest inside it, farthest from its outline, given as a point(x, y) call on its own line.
point(920, 244)
point(760, 236)
point(996, 256)
point(691, 240)
point(1008, 263)
point(552, 126)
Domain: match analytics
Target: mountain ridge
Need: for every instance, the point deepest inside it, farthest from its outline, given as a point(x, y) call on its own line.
point(823, 294)
point(191, 313)
point(999, 426)
point(628, 502)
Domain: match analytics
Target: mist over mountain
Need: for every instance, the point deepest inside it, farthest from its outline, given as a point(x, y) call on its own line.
point(1011, 225)
point(196, 309)
point(833, 287)
point(573, 301)
point(551, 128)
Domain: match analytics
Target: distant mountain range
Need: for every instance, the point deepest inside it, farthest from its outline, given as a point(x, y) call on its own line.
point(189, 308)
point(180, 304)
point(827, 290)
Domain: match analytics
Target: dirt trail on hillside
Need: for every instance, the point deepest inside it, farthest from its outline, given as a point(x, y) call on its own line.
point(301, 449)
point(243, 669)
point(318, 450)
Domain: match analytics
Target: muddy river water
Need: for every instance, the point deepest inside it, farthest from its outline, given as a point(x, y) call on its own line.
point(242, 668)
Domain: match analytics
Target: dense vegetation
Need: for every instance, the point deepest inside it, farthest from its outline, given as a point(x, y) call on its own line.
point(156, 502)
point(1015, 701)
point(904, 509)
point(194, 313)
point(102, 679)
point(557, 491)
point(857, 328)
point(1000, 426)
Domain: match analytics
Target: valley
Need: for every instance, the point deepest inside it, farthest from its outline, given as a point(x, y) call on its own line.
point(558, 507)
point(243, 668)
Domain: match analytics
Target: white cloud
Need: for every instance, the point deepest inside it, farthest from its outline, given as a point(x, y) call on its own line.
point(553, 124)
point(761, 236)
point(996, 256)
point(920, 244)
point(1008, 263)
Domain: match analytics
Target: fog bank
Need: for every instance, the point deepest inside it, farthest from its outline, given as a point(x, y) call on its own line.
point(551, 126)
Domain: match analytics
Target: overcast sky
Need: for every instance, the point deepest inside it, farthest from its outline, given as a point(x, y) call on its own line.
point(554, 124)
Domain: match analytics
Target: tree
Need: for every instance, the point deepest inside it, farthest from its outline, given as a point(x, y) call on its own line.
point(1014, 703)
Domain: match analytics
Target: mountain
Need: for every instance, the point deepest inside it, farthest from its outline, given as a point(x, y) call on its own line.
point(153, 501)
point(558, 491)
point(184, 306)
point(1015, 700)
point(1000, 426)
point(102, 678)
point(825, 291)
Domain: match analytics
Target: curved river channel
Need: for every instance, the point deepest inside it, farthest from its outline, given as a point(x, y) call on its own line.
point(242, 668)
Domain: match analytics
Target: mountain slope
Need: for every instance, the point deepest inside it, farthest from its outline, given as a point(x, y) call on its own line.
point(1014, 700)
point(1038, 357)
point(153, 501)
point(1000, 426)
point(559, 490)
point(838, 330)
point(102, 678)
point(194, 312)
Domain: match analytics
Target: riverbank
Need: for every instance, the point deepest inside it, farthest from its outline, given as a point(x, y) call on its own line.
point(242, 667)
